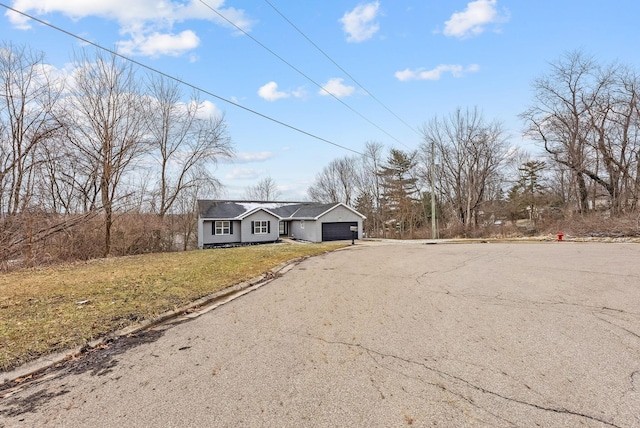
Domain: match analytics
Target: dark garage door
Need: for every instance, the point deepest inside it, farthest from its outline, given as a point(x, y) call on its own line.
point(337, 231)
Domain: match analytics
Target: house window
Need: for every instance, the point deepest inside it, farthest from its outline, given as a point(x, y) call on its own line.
point(301, 224)
point(261, 227)
point(222, 228)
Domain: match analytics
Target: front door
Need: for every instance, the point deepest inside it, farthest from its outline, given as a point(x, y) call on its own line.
point(284, 228)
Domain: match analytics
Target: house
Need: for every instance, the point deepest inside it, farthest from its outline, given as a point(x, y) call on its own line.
point(246, 222)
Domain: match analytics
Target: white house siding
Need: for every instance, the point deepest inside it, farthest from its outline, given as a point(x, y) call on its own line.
point(248, 236)
point(337, 215)
point(209, 238)
point(306, 233)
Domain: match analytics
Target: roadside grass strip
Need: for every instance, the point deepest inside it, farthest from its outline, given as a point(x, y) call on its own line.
point(53, 309)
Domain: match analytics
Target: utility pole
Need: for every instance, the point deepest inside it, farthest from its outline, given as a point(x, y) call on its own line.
point(434, 224)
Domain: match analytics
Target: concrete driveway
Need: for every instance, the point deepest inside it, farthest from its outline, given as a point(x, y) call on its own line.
point(386, 335)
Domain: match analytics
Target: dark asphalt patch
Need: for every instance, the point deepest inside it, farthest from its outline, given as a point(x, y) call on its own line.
point(98, 360)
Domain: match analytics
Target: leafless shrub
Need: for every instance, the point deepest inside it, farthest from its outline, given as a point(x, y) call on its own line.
point(40, 238)
point(598, 225)
point(84, 241)
point(137, 233)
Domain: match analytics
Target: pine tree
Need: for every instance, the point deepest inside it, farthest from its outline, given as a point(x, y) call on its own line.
point(399, 191)
point(530, 185)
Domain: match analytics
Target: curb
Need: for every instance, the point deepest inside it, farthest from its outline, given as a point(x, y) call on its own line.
point(190, 311)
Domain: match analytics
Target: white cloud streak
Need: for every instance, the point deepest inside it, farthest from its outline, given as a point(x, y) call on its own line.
point(456, 70)
point(359, 24)
point(473, 20)
point(148, 24)
point(244, 174)
point(248, 157)
point(336, 88)
point(156, 44)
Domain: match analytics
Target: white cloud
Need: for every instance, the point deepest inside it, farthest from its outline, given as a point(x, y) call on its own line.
point(204, 109)
point(207, 109)
point(148, 24)
point(270, 92)
point(472, 68)
point(157, 44)
point(18, 21)
point(248, 157)
point(295, 190)
point(336, 88)
point(435, 74)
point(359, 24)
point(299, 93)
point(473, 19)
point(245, 174)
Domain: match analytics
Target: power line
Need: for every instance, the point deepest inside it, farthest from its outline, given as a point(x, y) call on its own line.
point(299, 71)
point(182, 82)
point(342, 69)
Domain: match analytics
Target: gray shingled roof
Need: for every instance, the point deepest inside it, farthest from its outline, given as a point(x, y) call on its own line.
point(215, 209)
point(285, 211)
point(311, 210)
point(219, 209)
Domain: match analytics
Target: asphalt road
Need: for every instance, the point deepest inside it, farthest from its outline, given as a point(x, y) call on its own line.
point(382, 335)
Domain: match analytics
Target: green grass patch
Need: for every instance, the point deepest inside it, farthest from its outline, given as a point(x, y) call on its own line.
point(40, 311)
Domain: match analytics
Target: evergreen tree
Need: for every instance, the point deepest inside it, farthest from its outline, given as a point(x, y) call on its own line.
point(399, 191)
point(530, 185)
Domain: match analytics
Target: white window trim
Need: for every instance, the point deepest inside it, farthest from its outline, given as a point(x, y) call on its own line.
point(261, 227)
point(224, 229)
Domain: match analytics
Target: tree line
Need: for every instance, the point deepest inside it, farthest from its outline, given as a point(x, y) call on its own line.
point(584, 116)
point(102, 159)
point(80, 150)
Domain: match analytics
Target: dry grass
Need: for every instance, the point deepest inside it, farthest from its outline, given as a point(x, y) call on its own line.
point(595, 225)
point(41, 310)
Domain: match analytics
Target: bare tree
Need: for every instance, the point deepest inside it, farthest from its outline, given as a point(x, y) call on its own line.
point(354, 181)
point(615, 121)
point(586, 116)
point(559, 117)
point(28, 95)
point(369, 199)
point(469, 152)
point(265, 190)
point(184, 138)
point(109, 116)
point(337, 182)
point(185, 218)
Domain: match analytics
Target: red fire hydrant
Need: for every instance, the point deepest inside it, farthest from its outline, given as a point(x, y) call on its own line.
point(560, 235)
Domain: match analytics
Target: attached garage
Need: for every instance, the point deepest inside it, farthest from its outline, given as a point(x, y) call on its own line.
point(338, 231)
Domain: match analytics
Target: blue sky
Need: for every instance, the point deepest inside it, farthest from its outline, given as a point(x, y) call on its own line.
point(419, 58)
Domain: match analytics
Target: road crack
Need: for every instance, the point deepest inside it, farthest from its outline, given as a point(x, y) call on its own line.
point(371, 352)
point(632, 333)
